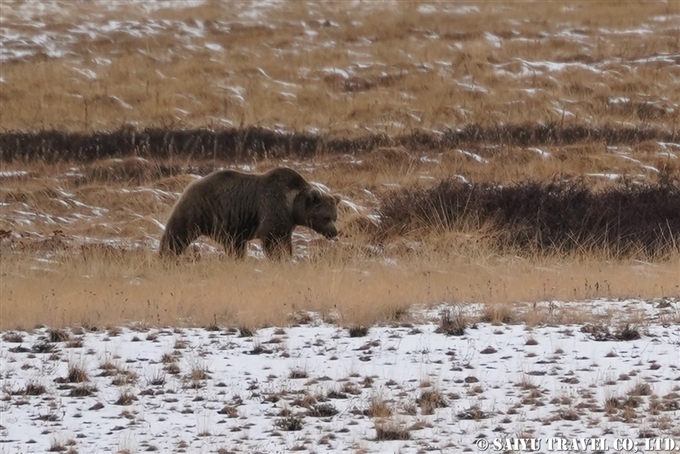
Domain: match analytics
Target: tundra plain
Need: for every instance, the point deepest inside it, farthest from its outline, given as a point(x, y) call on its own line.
point(510, 224)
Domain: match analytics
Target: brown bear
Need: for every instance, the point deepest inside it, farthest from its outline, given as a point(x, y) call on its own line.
point(233, 207)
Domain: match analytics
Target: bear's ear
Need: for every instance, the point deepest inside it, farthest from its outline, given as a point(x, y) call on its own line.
point(313, 196)
point(337, 198)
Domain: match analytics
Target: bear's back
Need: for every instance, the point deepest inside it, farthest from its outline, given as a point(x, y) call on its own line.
point(248, 188)
point(220, 181)
point(286, 178)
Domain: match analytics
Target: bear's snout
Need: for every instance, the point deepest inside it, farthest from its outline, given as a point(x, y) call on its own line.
point(328, 229)
point(331, 232)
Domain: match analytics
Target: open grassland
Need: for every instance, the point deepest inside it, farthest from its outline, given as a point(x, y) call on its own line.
point(100, 288)
point(485, 151)
point(341, 68)
point(86, 236)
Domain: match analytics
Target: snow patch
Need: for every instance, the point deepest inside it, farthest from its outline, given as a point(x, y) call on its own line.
point(541, 153)
point(247, 381)
point(474, 156)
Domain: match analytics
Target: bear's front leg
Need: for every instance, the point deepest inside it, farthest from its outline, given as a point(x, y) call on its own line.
point(235, 247)
point(176, 239)
point(278, 247)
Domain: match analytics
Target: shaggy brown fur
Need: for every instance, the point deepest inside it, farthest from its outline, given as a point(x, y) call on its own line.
point(233, 207)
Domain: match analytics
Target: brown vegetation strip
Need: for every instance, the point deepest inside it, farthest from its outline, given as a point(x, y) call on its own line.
point(627, 220)
point(237, 144)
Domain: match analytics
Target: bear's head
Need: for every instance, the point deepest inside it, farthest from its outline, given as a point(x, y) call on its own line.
point(320, 212)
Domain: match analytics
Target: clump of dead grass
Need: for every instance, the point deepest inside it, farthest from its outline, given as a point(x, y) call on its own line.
point(126, 397)
point(532, 217)
point(431, 399)
point(32, 388)
point(77, 374)
point(389, 429)
point(290, 423)
point(452, 322)
point(601, 332)
point(379, 408)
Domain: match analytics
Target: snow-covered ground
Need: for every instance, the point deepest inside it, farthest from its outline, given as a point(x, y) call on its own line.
point(311, 387)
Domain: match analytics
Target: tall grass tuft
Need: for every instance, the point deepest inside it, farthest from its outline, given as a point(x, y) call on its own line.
point(627, 220)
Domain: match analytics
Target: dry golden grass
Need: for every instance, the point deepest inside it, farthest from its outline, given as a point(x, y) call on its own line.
point(101, 286)
point(341, 68)
point(79, 248)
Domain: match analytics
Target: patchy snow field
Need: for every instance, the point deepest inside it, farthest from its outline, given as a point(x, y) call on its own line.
point(606, 369)
point(302, 65)
point(311, 387)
